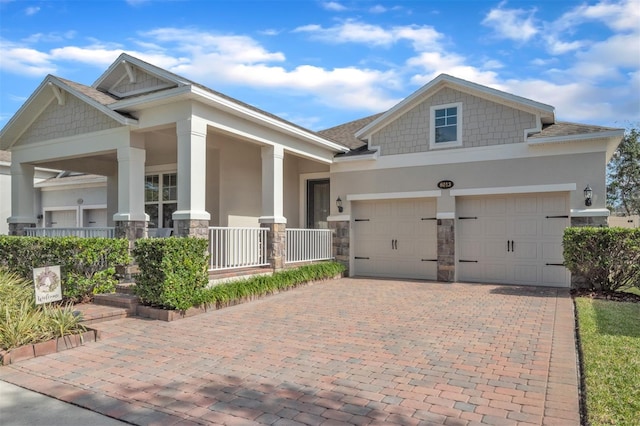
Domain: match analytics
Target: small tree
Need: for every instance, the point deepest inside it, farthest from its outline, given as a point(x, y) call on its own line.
point(623, 189)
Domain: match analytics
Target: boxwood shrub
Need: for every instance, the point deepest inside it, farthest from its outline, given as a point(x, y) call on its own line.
point(88, 265)
point(605, 259)
point(173, 271)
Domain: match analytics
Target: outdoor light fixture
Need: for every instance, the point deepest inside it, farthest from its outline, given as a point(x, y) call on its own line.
point(588, 194)
point(339, 204)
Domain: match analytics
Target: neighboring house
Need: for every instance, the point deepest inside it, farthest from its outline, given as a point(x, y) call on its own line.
point(457, 182)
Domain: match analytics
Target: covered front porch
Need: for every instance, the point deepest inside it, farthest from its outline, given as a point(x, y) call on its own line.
point(182, 159)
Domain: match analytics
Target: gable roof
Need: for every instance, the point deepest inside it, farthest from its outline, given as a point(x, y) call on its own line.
point(51, 88)
point(345, 133)
point(546, 112)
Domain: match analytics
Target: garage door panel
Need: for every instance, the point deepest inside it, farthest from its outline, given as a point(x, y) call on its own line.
point(519, 235)
point(525, 274)
point(526, 227)
point(495, 228)
point(396, 238)
point(526, 251)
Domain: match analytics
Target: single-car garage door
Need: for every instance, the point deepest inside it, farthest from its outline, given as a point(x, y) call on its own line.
point(395, 238)
point(513, 239)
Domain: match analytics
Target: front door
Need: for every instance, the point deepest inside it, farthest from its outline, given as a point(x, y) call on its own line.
point(317, 203)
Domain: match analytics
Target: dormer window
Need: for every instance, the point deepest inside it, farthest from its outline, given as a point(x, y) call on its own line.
point(446, 126)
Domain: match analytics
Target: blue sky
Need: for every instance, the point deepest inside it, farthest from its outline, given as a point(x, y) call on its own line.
point(323, 63)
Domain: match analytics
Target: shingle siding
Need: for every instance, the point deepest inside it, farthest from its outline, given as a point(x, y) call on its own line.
point(144, 81)
point(484, 123)
point(75, 117)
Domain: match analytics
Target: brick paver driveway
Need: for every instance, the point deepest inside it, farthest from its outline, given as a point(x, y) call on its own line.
point(348, 351)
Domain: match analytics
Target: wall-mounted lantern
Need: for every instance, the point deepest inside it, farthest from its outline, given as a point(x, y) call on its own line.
point(588, 195)
point(339, 204)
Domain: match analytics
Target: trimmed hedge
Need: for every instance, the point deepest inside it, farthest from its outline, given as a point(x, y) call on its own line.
point(603, 258)
point(235, 291)
point(173, 271)
point(87, 265)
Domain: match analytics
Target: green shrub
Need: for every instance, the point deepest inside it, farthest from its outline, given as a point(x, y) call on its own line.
point(88, 265)
point(225, 294)
point(603, 258)
point(22, 322)
point(173, 271)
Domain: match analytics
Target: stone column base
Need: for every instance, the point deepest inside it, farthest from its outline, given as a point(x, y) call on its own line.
point(276, 244)
point(17, 229)
point(191, 228)
point(446, 250)
point(598, 221)
point(131, 230)
point(341, 242)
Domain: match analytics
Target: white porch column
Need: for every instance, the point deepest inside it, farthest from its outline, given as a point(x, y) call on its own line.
point(112, 198)
point(191, 218)
point(22, 198)
point(272, 205)
point(131, 185)
point(272, 185)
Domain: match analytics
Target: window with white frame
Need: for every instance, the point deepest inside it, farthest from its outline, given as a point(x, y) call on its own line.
point(446, 126)
point(161, 199)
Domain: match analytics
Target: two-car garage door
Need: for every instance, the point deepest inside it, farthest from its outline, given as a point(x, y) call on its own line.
point(395, 238)
point(514, 239)
point(510, 239)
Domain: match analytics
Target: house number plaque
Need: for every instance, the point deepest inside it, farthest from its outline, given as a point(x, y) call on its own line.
point(445, 184)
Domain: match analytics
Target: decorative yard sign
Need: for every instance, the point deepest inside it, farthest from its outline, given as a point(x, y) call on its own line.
point(47, 284)
point(445, 184)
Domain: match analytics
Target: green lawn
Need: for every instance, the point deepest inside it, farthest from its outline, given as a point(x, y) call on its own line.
point(610, 339)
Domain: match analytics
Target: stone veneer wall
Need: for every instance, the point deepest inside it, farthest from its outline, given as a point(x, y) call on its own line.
point(191, 228)
point(341, 242)
point(131, 230)
point(276, 244)
point(17, 229)
point(446, 250)
point(600, 221)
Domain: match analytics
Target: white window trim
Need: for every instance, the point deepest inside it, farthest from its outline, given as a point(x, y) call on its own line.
point(432, 127)
point(160, 171)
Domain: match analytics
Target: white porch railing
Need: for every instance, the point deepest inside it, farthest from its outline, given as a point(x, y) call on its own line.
point(308, 245)
point(70, 232)
point(237, 247)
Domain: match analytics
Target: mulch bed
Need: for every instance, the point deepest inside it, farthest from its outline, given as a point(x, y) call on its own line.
point(617, 296)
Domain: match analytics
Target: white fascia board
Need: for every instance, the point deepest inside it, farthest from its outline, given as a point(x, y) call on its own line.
point(525, 189)
point(590, 212)
point(459, 84)
point(161, 97)
point(367, 157)
point(572, 138)
point(446, 215)
point(469, 155)
point(394, 195)
point(254, 115)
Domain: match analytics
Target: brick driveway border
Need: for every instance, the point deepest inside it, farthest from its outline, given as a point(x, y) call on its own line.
point(347, 351)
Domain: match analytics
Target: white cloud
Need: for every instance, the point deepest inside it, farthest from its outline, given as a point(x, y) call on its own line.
point(334, 6)
point(30, 11)
point(378, 8)
point(52, 37)
point(20, 59)
point(513, 24)
point(351, 31)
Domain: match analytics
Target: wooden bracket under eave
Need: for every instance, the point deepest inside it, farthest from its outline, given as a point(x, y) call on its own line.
point(131, 72)
point(59, 94)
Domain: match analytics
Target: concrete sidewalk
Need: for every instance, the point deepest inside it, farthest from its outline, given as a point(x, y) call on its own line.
point(19, 407)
